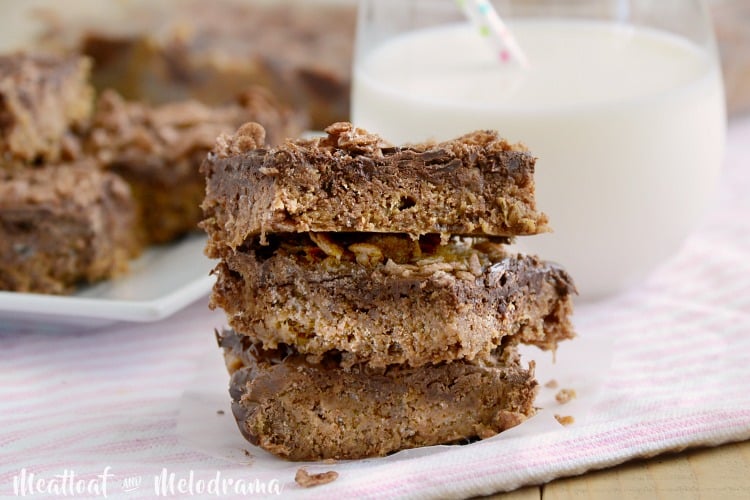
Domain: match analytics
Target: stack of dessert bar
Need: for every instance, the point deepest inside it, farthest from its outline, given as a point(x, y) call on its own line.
point(372, 303)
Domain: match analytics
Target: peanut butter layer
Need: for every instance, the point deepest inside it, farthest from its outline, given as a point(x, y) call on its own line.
point(42, 99)
point(383, 299)
point(351, 181)
point(158, 151)
point(63, 225)
point(304, 411)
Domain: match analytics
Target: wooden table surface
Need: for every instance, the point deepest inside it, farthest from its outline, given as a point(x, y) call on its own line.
point(706, 473)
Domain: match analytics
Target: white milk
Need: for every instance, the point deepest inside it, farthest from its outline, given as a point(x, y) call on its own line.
point(628, 126)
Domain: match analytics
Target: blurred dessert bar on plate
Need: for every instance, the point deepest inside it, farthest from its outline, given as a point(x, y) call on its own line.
point(62, 222)
point(43, 99)
point(167, 51)
point(63, 225)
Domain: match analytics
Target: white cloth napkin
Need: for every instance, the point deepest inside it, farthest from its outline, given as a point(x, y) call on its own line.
point(75, 407)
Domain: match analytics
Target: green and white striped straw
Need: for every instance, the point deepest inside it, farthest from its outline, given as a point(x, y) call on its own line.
point(492, 28)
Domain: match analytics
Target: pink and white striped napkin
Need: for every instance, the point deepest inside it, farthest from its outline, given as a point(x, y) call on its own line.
point(100, 409)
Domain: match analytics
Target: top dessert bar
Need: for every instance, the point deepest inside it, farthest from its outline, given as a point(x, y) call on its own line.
point(352, 181)
point(41, 99)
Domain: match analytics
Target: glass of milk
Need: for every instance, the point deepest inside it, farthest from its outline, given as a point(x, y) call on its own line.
point(622, 104)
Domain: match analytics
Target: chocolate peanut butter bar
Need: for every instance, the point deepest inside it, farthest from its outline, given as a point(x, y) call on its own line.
point(206, 51)
point(42, 100)
point(63, 225)
point(351, 181)
point(385, 299)
point(158, 150)
point(170, 51)
point(304, 411)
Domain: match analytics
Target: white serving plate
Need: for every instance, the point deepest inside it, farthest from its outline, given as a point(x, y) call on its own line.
point(161, 282)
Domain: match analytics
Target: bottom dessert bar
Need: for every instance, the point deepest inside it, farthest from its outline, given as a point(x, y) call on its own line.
point(303, 411)
point(63, 225)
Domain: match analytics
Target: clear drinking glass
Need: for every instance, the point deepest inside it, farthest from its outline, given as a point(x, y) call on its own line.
point(622, 105)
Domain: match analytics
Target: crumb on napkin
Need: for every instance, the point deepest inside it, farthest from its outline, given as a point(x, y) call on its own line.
point(307, 480)
point(565, 419)
point(565, 395)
